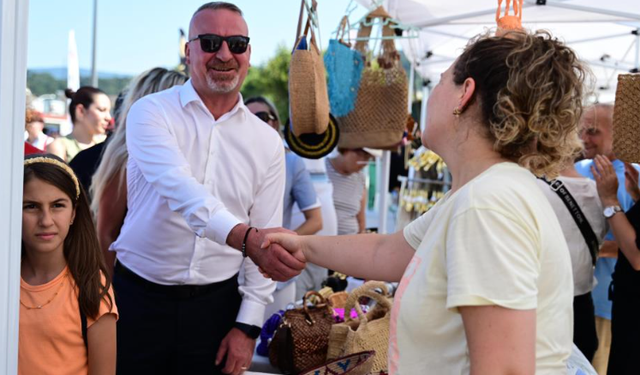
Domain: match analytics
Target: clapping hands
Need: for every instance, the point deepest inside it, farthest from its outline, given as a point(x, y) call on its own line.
point(606, 180)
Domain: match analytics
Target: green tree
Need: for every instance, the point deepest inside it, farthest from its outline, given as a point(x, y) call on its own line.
point(43, 83)
point(272, 81)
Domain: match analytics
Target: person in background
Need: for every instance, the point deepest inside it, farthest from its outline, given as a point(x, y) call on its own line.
point(90, 112)
point(109, 184)
point(485, 284)
point(625, 325)
point(585, 194)
point(85, 163)
point(205, 184)
point(596, 128)
point(298, 190)
point(34, 134)
point(346, 173)
point(67, 309)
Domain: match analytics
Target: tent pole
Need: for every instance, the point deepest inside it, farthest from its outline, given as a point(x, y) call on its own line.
point(637, 62)
point(384, 188)
point(582, 8)
point(13, 75)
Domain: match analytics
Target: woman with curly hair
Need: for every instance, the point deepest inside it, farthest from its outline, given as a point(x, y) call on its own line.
point(485, 275)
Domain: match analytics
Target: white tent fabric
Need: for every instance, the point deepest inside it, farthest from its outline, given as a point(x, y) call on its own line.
point(603, 33)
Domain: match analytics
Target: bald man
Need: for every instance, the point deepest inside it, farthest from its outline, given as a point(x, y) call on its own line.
point(597, 135)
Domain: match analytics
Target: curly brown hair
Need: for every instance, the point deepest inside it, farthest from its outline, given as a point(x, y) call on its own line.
point(529, 88)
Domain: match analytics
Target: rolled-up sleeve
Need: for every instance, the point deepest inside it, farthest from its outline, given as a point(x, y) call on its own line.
point(154, 148)
point(266, 212)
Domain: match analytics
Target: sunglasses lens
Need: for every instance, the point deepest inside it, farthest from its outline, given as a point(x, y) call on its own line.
point(238, 44)
point(210, 43)
point(264, 116)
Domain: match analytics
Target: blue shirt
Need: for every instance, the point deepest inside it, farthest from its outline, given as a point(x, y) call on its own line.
point(298, 188)
point(606, 266)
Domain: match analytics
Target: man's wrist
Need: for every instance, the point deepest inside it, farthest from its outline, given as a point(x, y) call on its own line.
point(253, 332)
point(236, 235)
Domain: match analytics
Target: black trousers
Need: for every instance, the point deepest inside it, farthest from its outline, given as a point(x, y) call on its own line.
point(171, 329)
point(584, 325)
point(625, 332)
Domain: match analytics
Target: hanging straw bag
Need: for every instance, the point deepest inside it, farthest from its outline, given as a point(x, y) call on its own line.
point(308, 98)
point(626, 118)
point(368, 332)
point(380, 115)
point(344, 69)
point(354, 364)
point(302, 338)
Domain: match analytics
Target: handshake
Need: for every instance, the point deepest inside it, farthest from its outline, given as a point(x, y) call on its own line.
point(276, 251)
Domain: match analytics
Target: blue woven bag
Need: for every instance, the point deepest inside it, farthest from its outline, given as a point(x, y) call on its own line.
point(344, 68)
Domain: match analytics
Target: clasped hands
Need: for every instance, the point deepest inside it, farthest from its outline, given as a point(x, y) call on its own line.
point(273, 260)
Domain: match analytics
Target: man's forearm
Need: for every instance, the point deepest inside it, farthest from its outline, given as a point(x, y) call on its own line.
point(236, 236)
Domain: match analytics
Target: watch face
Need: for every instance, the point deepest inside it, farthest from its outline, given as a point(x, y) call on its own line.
point(608, 212)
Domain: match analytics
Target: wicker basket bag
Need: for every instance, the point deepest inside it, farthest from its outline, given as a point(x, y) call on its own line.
point(379, 118)
point(626, 118)
point(308, 97)
point(368, 332)
point(302, 338)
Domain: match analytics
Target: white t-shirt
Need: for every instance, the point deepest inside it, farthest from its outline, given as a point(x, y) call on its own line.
point(585, 193)
point(495, 241)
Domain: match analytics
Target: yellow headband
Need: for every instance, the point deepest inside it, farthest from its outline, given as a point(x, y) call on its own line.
point(63, 166)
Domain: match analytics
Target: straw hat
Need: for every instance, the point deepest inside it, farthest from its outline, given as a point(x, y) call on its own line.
point(626, 119)
point(311, 145)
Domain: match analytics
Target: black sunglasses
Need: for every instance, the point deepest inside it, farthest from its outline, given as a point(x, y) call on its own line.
point(211, 43)
point(265, 116)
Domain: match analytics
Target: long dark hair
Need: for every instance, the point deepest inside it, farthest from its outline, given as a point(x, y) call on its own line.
point(81, 247)
point(83, 96)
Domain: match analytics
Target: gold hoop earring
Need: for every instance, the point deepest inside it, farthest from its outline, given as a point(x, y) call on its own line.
point(457, 112)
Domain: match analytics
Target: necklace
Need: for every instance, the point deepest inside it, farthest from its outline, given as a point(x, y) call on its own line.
point(38, 307)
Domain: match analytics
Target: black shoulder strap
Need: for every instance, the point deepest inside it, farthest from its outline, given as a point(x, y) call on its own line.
point(581, 220)
point(83, 322)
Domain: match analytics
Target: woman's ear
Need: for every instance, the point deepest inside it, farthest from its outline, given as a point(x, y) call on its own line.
point(80, 111)
point(468, 89)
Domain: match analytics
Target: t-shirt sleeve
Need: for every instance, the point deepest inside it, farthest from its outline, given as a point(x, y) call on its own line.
point(107, 306)
point(492, 258)
point(414, 232)
point(303, 191)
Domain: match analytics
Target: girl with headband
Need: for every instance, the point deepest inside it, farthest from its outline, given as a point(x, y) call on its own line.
point(67, 310)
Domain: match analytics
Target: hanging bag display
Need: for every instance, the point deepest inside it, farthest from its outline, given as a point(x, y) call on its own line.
point(302, 338)
point(626, 118)
point(344, 69)
point(380, 114)
point(369, 332)
point(308, 99)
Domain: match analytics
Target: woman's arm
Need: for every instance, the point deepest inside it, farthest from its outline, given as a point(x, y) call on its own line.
point(101, 339)
point(58, 149)
point(623, 231)
point(111, 212)
point(367, 256)
point(312, 223)
point(500, 340)
point(361, 216)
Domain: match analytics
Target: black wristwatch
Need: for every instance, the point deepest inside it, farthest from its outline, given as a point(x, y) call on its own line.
point(249, 330)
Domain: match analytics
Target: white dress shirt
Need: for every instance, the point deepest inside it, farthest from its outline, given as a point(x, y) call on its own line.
point(191, 178)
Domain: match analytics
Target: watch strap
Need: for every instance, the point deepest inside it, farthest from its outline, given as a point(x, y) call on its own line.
point(248, 329)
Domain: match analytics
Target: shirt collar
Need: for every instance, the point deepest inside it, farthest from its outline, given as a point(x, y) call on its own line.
point(188, 94)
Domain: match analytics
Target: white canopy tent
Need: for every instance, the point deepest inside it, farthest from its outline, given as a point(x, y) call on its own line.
point(603, 33)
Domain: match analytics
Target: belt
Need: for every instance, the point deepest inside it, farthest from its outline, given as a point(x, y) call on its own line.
point(174, 291)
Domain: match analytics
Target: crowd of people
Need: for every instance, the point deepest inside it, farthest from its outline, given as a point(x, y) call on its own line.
point(165, 247)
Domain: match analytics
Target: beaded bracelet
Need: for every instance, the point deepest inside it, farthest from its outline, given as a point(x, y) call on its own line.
point(244, 241)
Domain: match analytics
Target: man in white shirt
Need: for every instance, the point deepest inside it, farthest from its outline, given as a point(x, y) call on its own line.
point(202, 173)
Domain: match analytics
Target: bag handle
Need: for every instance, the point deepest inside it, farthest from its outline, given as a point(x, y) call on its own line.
point(343, 29)
point(367, 290)
point(307, 27)
point(322, 302)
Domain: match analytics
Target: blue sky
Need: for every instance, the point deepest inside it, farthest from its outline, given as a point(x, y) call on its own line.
point(136, 35)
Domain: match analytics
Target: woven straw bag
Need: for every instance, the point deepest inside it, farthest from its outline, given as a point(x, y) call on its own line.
point(369, 332)
point(354, 364)
point(380, 114)
point(338, 300)
point(308, 98)
point(302, 338)
point(344, 69)
point(626, 118)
